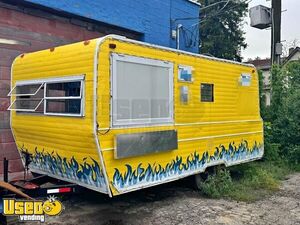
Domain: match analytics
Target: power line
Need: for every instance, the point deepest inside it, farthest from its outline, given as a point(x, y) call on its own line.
point(191, 36)
point(198, 17)
point(221, 12)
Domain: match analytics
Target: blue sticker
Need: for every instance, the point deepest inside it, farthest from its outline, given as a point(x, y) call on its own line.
point(185, 73)
point(245, 80)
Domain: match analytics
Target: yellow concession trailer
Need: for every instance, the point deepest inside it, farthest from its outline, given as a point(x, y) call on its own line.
point(116, 115)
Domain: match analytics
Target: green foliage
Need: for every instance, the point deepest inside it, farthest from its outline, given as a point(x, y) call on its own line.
point(262, 99)
point(278, 91)
point(245, 182)
point(283, 137)
point(218, 184)
point(293, 156)
point(292, 72)
point(221, 32)
point(272, 152)
point(252, 181)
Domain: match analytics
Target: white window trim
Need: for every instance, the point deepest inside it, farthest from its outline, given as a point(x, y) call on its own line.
point(82, 87)
point(179, 75)
point(18, 85)
point(44, 83)
point(138, 122)
point(25, 110)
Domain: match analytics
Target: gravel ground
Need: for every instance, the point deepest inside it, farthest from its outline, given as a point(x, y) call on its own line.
point(178, 203)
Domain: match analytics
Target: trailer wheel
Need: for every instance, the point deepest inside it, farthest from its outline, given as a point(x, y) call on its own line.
point(202, 177)
point(199, 179)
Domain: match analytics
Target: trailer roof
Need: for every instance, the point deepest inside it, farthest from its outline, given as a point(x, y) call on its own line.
point(124, 39)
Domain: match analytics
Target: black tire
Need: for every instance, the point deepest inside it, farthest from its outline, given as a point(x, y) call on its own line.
point(199, 179)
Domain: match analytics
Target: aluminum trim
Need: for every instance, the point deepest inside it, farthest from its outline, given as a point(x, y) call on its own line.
point(114, 58)
point(124, 39)
point(145, 143)
point(32, 94)
point(25, 110)
point(95, 104)
point(64, 78)
point(183, 124)
point(218, 136)
point(203, 138)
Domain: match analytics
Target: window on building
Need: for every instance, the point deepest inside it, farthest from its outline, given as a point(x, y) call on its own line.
point(142, 91)
point(50, 97)
point(207, 92)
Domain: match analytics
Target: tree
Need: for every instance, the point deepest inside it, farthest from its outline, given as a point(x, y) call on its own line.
point(221, 33)
point(285, 113)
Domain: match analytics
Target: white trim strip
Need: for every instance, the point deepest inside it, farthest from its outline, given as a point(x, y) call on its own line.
point(203, 138)
point(124, 39)
point(95, 122)
point(217, 122)
point(18, 95)
point(180, 124)
point(63, 98)
point(218, 136)
point(62, 79)
point(63, 114)
point(52, 191)
point(25, 110)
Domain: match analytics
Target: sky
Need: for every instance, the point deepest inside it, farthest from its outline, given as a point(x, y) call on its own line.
point(259, 41)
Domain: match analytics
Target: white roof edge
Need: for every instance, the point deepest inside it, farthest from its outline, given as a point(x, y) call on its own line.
point(195, 2)
point(123, 38)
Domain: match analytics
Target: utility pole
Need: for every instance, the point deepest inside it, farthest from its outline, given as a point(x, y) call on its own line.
point(276, 32)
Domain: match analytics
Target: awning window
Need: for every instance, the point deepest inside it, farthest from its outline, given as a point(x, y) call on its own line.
point(27, 105)
point(26, 90)
point(58, 96)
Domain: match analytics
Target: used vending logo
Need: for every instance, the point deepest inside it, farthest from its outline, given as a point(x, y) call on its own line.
point(32, 210)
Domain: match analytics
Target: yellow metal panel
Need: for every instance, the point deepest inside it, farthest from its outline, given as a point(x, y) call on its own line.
point(228, 130)
point(60, 146)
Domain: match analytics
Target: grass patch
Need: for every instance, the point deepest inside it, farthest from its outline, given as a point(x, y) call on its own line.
point(246, 182)
point(218, 184)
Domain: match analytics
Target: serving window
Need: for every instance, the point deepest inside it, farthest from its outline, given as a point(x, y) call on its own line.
point(142, 91)
point(60, 96)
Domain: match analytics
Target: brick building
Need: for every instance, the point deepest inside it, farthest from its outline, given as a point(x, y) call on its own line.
point(33, 25)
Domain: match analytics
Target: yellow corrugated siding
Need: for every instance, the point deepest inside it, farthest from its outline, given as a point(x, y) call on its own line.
point(232, 103)
point(65, 136)
point(73, 137)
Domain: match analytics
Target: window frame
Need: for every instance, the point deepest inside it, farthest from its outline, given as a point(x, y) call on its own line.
point(213, 92)
point(64, 98)
point(114, 58)
point(44, 83)
point(32, 94)
point(24, 110)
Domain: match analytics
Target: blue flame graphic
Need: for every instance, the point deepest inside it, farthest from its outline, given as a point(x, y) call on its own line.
point(90, 174)
point(194, 162)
